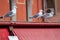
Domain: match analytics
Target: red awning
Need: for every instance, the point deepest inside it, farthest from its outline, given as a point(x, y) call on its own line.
point(37, 34)
point(3, 34)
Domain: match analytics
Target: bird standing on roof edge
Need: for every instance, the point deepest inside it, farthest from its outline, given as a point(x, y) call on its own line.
point(48, 14)
point(39, 14)
point(10, 13)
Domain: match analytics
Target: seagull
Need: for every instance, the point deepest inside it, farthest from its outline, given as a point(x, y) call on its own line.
point(39, 14)
point(49, 13)
point(10, 13)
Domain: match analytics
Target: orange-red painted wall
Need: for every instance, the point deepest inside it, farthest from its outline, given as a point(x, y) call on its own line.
point(21, 9)
point(4, 8)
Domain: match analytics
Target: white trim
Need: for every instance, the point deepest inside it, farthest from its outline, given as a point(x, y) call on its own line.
point(20, 2)
point(29, 10)
point(13, 38)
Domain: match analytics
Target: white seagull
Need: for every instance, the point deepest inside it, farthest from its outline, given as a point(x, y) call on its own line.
point(10, 13)
point(39, 14)
point(49, 13)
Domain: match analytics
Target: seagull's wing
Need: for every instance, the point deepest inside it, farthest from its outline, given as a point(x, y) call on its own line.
point(39, 14)
point(8, 14)
point(47, 15)
point(36, 15)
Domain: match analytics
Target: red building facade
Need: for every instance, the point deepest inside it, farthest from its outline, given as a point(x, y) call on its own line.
point(25, 9)
point(21, 14)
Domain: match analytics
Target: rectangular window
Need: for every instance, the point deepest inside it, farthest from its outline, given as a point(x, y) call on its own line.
point(49, 4)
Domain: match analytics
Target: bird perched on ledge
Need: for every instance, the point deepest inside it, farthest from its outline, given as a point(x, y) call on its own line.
point(47, 14)
point(39, 14)
point(10, 13)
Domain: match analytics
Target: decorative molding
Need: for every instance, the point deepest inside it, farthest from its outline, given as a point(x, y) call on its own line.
point(20, 2)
